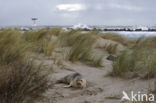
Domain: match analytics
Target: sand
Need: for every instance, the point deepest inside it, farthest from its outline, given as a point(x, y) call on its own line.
point(101, 87)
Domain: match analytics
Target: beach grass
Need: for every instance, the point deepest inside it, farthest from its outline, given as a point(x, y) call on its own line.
point(115, 37)
point(111, 48)
point(140, 60)
point(21, 81)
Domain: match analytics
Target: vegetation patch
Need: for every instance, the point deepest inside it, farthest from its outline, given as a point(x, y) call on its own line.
point(21, 81)
point(111, 48)
point(115, 37)
point(140, 60)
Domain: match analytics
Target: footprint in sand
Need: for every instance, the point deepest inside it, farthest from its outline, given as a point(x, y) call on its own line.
point(92, 91)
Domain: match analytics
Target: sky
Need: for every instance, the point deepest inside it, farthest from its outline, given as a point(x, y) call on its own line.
point(71, 12)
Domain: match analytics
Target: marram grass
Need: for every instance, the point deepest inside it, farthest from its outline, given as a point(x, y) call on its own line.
point(20, 80)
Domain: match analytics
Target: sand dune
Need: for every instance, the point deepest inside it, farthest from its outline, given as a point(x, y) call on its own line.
point(101, 88)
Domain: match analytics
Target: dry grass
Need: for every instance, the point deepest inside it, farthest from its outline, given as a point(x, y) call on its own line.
point(11, 46)
point(54, 31)
point(22, 83)
point(42, 41)
point(50, 47)
point(150, 42)
point(80, 51)
point(96, 61)
point(82, 48)
point(140, 60)
point(123, 63)
point(111, 48)
point(69, 37)
point(115, 37)
point(20, 80)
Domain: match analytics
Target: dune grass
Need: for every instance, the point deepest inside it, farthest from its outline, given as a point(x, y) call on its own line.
point(50, 47)
point(150, 42)
point(111, 48)
point(21, 81)
point(125, 62)
point(54, 31)
point(67, 38)
point(47, 40)
point(82, 49)
point(140, 60)
point(11, 46)
point(115, 37)
point(37, 39)
point(96, 61)
point(42, 41)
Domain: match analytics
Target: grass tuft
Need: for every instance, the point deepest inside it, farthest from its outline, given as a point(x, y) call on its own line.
point(21, 81)
point(111, 48)
point(42, 41)
point(115, 37)
point(140, 60)
point(82, 49)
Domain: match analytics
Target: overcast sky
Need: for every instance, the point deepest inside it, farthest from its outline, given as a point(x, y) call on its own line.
point(69, 12)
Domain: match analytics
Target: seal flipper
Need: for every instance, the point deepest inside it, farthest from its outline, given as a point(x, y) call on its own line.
point(62, 80)
point(67, 86)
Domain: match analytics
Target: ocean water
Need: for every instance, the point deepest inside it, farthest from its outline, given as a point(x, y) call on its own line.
point(134, 35)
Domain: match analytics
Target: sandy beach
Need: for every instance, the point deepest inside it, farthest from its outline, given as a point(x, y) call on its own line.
point(101, 87)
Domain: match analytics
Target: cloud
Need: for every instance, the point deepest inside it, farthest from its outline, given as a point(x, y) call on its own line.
point(126, 7)
point(99, 7)
point(69, 15)
point(69, 12)
point(70, 7)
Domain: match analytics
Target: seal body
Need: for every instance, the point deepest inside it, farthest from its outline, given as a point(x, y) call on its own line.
point(74, 80)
